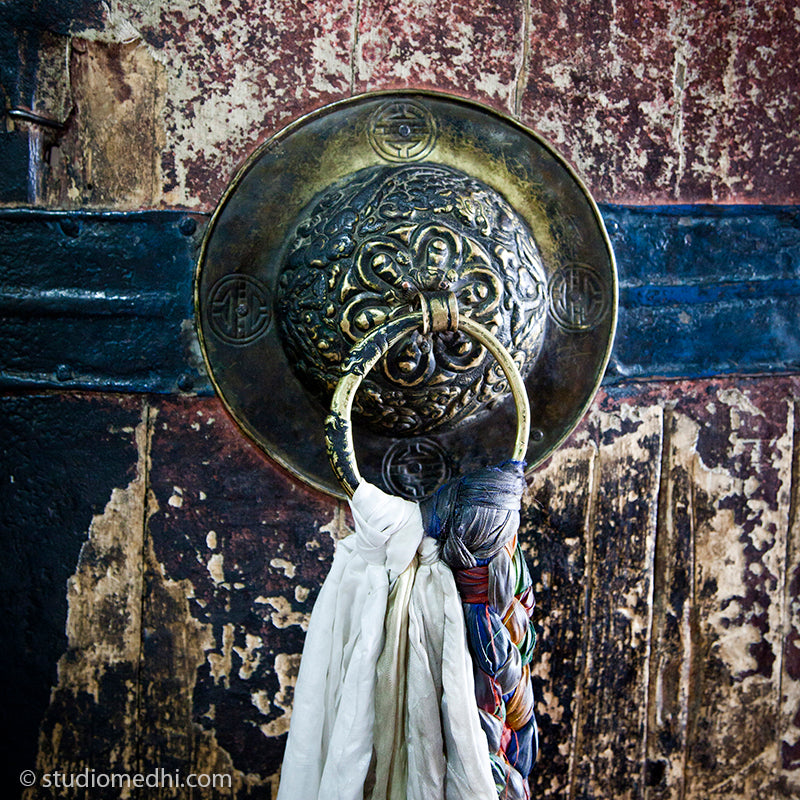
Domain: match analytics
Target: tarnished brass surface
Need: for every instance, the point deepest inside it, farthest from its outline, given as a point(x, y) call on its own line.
point(256, 230)
point(374, 346)
point(366, 248)
point(439, 311)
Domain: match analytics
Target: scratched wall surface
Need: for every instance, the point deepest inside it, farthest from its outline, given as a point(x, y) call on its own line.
point(653, 102)
point(159, 571)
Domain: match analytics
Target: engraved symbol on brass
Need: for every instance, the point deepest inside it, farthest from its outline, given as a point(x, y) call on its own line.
point(579, 299)
point(402, 131)
point(239, 309)
point(415, 469)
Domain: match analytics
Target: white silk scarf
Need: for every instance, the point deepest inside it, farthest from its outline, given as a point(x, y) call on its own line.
point(387, 623)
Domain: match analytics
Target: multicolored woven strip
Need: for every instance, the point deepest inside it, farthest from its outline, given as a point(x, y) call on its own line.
point(475, 520)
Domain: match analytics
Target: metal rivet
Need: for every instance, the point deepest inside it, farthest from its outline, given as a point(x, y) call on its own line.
point(185, 383)
point(63, 372)
point(187, 226)
point(70, 227)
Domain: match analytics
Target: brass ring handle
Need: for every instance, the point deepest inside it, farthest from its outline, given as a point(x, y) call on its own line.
point(363, 357)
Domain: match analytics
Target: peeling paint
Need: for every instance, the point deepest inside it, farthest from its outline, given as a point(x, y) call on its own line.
point(103, 620)
point(216, 569)
point(285, 566)
point(176, 501)
point(286, 668)
point(110, 686)
point(337, 528)
point(221, 663)
point(301, 593)
point(686, 113)
point(283, 616)
point(163, 101)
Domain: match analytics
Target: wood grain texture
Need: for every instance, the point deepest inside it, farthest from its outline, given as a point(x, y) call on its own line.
point(61, 458)
point(622, 456)
point(653, 102)
point(789, 712)
point(557, 517)
point(686, 678)
point(663, 545)
point(742, 484)
point(674, 614)
point(252, 549)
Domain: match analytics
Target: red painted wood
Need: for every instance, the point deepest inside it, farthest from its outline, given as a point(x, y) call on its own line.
point(470, 50)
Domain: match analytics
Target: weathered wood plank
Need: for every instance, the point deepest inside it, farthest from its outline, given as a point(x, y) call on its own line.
point(673, 617)
point(576, 96)
point(554, 539)
point(608, 744)
point(741, 476)
point(61, 457)
point(91, 724)
point(666, 667)
point(239, 552)
point(738, 66)
point(789, 719)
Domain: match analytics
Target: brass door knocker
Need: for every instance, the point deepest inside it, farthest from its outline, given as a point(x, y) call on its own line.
point(436, 276)
point(339, 222)
point(452, 555)
point(438, 312)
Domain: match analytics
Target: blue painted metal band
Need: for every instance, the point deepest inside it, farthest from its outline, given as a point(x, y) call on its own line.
point(103, 300)
point(99, 300)
point(705, 290)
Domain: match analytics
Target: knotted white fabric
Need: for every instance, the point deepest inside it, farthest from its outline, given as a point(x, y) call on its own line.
point(429, 743)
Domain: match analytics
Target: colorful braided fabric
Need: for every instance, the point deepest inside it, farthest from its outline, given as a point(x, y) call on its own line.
point(475, 520)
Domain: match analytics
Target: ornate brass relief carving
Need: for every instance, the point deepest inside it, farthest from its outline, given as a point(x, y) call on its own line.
point(364, 248)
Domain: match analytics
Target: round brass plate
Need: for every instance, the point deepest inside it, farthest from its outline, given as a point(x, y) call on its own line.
point(244, 249)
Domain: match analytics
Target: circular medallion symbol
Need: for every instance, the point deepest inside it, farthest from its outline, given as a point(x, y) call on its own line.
point(402, 131)
point(415, 468)
point(238, 309)
point(579, 298)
